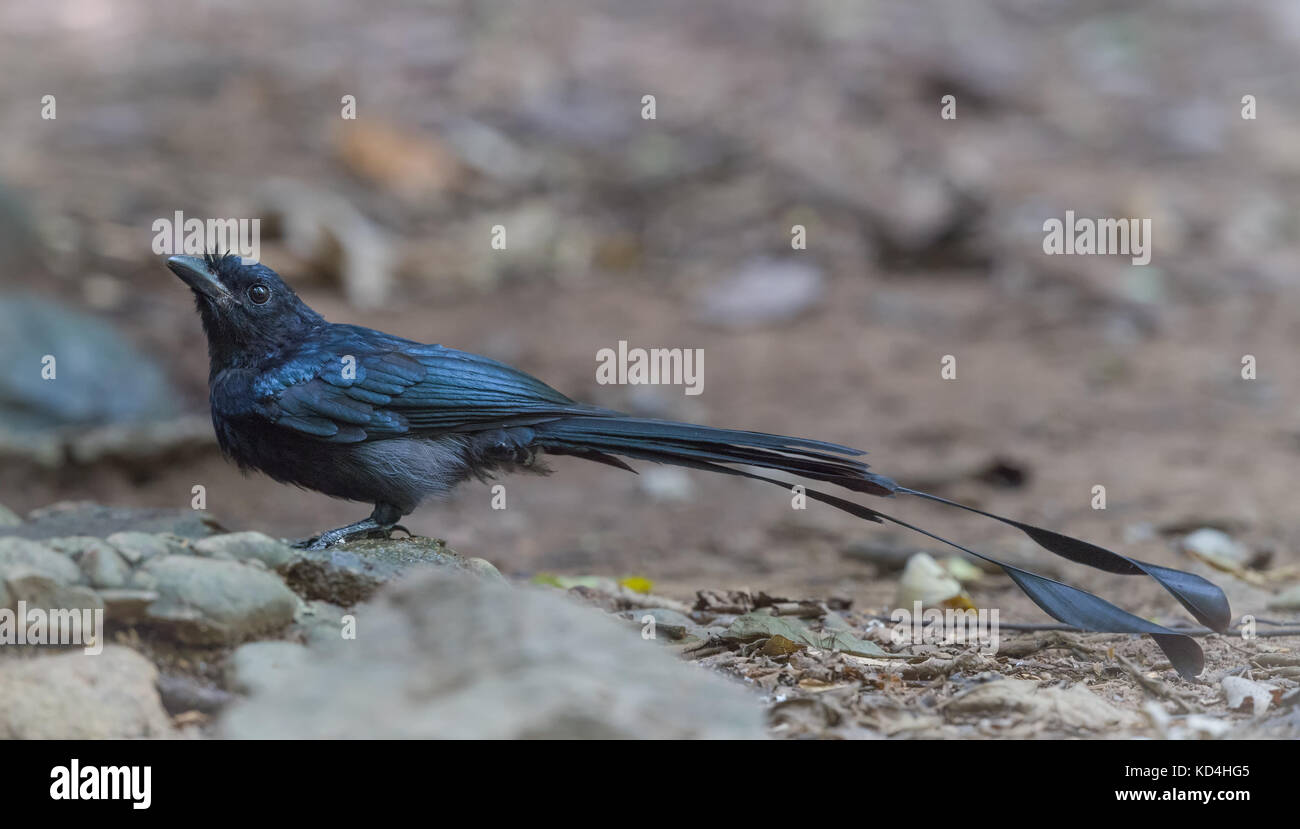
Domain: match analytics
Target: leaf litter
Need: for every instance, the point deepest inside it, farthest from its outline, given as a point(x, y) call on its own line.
point(829, 671)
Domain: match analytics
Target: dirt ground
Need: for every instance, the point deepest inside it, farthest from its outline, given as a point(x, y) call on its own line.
point(924, 240)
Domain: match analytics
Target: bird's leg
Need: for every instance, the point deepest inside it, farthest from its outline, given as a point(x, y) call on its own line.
point(380, 523)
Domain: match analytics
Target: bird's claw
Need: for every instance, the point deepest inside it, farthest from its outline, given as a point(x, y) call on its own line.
point(409, 534)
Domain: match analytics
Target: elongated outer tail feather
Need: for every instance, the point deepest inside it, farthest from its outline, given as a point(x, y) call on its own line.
point(719, 450)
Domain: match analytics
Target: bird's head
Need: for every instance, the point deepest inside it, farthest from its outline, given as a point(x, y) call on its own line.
point(248, 312)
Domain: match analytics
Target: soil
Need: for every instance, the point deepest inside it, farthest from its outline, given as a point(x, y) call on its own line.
point(1072, 371)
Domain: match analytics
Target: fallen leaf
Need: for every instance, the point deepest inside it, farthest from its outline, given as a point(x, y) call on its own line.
point(637, 584)
point(1239, 689)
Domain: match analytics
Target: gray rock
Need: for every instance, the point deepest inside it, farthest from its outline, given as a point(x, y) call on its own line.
point(246, 546)
point(142, 579)
point(88, 518)
point(151, 444)
point(1216, 546)
point(320, 621)
point(126, 606)
point(71, 546)
point(136, 546)
point(662, 616)
point(16, 552)
point(207, 601)
point(100, 376)
point(483, 568)
point(39, 590)
point(666, 484)
point(42, 450)
point(444, 655)
point(763, 292)
point(23, 250)
point(1288, 599)
point(9, 518)
point(670, 625)
point(103, 565)
point(182, 693)
point(75, 697)
point(262, 666)
point(350, 573)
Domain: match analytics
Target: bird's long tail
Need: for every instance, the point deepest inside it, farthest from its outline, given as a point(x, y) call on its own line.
point(721, 450)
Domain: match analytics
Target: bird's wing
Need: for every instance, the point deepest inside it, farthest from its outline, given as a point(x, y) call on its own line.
point(359, 385)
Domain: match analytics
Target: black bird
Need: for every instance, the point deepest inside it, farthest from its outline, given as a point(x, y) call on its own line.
point(367, 416)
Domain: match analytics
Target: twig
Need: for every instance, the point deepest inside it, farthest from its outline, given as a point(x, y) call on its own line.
point(1157, 688)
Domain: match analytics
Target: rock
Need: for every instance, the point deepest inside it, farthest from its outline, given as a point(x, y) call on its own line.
point(90, 385)
point(926, 214)
point(39, 590)
point(126, 606)
point(71, 546)
point(183, 693)
point(74, 697)
point(1216, 547)
point(320, 621)
point(142, 579)
point(38, 557)
point(444, 655)
point(9, 518)
point(261, 666)
point(1288, 599)
point(208, 602)
point(483, 568)
point(22, 247)
point(146, 444)
point(67, 518)
point(669, 625)
point(101, 563)
point(246, 546)
point(36, 574)
point(662, 616)
point(763, 292)
point(666, 483)
point(350, 573)
point(136, 546)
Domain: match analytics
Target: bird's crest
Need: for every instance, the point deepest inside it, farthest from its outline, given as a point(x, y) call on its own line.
point(222, 263)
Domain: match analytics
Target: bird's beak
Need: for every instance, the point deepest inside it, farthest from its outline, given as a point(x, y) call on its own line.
point(196, 273)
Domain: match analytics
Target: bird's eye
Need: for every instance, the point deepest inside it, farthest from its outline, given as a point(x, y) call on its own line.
point(259, 293)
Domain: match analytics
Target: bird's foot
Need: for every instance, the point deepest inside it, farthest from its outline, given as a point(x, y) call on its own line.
point(409, 534)
point(380, 523)
point(367, 528)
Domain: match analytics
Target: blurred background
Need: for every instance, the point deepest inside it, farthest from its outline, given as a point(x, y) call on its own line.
point(924, 239)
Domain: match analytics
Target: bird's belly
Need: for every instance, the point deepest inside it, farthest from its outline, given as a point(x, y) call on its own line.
point(398, 471)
